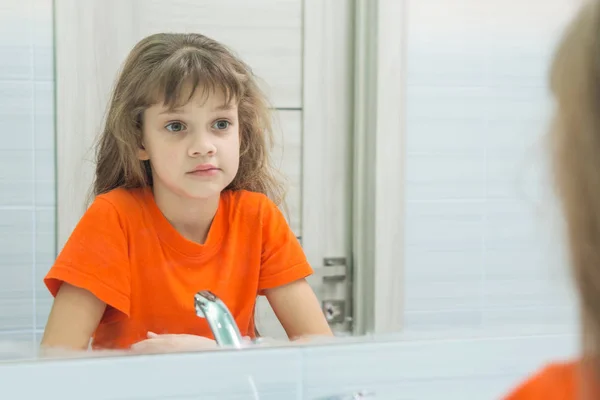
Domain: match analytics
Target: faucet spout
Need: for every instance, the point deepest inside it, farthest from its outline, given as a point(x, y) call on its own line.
point(219, 318)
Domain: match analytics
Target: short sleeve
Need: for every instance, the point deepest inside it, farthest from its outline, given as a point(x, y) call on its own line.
point(282, 259)
point(95, 257)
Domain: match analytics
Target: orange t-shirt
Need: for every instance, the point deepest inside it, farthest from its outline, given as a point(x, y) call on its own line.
point(559, 381)
point(127, 254)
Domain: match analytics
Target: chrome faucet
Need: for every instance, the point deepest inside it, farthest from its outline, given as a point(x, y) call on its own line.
point(221, 322)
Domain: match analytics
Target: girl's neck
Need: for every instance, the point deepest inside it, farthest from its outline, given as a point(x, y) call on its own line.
point(192, 218)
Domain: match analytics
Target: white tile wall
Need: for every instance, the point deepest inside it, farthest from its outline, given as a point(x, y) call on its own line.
point(27, 172)
point(482, 251)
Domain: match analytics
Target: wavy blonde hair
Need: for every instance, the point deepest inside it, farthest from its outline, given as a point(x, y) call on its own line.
point(161, 69)
point(575, 146)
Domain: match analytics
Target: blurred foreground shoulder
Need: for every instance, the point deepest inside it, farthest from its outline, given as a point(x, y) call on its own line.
point(553, 382)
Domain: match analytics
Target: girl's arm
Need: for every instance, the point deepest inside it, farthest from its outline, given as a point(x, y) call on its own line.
point(298, 310)
point(74, 317)
point(90, 274)
point(283, 271)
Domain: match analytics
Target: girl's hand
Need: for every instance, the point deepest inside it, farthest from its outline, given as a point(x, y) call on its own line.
point(173, 343)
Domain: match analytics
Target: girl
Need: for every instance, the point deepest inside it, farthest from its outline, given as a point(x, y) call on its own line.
point(575, 82)
point(184, 199)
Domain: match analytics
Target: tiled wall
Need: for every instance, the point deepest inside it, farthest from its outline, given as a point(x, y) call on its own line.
point(483, 250)
point(27, 172)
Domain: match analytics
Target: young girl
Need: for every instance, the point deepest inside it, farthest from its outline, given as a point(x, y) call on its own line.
point(575, 82)
point(185, 200)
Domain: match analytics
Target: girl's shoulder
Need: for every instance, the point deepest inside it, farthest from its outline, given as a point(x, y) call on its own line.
point(246, 198)
point(124, 200)
point(249, 204)
point(126, 205)
point(252, 207)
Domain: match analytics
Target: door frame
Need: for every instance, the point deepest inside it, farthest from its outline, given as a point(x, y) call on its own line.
point(327, 147)
point(379, 149)
point(376, 250)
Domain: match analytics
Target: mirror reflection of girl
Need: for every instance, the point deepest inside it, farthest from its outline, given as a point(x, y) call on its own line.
point(184, 200)
point(575, 140)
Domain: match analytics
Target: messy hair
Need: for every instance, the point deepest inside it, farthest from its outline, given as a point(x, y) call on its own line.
point(575, 145)
point(169, 68)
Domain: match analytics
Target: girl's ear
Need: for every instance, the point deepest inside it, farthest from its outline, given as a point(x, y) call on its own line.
point(142, 153)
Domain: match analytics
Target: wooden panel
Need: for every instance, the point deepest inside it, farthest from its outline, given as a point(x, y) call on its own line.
point(267, 34)
point(91, 39)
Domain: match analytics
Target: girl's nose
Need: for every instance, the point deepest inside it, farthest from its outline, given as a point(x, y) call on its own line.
point(202, 145)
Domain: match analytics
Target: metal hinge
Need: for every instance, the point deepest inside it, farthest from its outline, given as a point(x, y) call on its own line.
point(335, 269)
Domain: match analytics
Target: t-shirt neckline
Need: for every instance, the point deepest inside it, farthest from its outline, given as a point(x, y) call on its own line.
point(169, 235)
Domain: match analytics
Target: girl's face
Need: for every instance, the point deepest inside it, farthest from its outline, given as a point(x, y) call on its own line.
point(194, 150)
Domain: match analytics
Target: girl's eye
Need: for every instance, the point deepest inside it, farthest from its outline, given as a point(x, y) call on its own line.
point(221, 124)
point(175, 127)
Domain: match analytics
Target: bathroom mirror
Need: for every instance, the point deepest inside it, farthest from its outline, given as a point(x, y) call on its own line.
point(64, 75)
point(415, 173)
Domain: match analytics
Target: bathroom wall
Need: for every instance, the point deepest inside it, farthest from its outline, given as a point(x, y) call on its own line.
point(27, 173)
point(483, 248)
